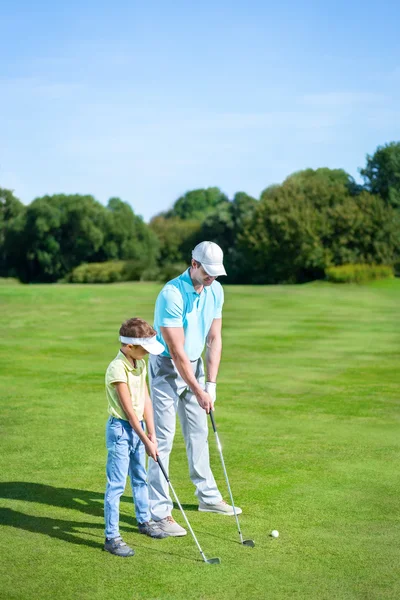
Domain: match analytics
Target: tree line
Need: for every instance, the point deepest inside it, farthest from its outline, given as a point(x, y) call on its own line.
point(296, 230)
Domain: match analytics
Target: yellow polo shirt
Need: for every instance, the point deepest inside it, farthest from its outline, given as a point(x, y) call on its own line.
point(120, 369)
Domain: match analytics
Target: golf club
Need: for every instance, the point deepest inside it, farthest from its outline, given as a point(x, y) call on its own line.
point(242, 541)
point(210, 561)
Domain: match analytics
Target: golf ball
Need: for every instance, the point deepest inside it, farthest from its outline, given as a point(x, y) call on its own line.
point(275, 533)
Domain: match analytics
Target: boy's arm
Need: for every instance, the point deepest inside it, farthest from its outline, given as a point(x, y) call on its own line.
point(126, 403)
point(149, 417)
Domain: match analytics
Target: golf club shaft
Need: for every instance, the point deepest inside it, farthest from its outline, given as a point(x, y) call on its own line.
point(181, 509)
point(226, 474)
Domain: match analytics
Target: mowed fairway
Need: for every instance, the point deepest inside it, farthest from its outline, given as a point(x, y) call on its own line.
point(308, 415)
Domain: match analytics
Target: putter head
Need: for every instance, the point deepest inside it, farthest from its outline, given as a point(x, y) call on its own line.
point(213, 561)
point(248, 543)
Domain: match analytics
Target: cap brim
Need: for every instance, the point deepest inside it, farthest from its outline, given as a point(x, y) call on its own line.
point(154, 347)
point(214, 270)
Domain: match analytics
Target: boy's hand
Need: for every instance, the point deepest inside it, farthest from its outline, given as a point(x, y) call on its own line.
point(152, 438)
point(151, 449)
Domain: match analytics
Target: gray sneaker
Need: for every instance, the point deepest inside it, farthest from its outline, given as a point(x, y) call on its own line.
point(222, 508)
point(152, 529)
point(171, 527)
point(118, 547)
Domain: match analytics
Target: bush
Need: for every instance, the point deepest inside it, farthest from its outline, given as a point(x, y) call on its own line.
point(107, 272)
point(397, 267)
point(358, 273)
point(171, 270)
point(133, 270)
point(9, 281)
point(123, 270)
point(164, 273)
point(151, 274)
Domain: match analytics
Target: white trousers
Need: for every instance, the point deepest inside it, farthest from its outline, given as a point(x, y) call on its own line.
point(170, 395)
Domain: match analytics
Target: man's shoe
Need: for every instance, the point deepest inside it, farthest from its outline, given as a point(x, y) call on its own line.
point(118, 547)
point(152, 529)
point(222, 508)
point(169, 526)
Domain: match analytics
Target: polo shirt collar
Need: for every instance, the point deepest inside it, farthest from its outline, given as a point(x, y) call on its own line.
point(188, 283)
point(129, 365)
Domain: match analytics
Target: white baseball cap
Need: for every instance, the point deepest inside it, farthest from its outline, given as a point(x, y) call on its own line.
point(211, 257)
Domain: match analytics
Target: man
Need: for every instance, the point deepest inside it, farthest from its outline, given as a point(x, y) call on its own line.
point(188, 315)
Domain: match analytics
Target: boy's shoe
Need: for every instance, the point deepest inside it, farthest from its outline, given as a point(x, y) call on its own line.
point(118, 547)
point(171, 527)
point(222, 508)
point(152, 529)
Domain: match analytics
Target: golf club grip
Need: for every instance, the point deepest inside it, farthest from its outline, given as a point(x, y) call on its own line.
point(212, 421)
point(162, 468)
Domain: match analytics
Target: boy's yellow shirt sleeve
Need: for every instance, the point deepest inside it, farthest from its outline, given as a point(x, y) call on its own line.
point(116, 373)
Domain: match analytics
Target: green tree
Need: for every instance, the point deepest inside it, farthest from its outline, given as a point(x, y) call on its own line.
point(223, 227)
point(127, 237)
point(60, 233)
point(281, 242)
point(55, 234)
point(363, 230)
point(382, 173)
point(196, 204)
point(176, 237)
point(324, 177)
point(12, 213)
point(303, 226)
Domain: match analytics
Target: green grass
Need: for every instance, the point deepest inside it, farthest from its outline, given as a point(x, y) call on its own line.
point(308, 415)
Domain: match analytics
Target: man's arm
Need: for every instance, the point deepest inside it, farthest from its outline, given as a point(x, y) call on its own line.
point(213, 350)
point(174, 337)
point(126, 403)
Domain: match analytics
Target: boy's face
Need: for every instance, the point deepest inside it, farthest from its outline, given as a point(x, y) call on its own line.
point(135, 352)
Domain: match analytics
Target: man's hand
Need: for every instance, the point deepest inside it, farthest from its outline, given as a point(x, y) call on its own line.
point(205, 401)
point(151, 448)
point(211, 389)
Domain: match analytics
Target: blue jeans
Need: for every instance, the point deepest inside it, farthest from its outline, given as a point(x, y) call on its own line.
point(126, 456)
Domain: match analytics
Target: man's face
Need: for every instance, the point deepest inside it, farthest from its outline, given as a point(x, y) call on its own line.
point(200, 275)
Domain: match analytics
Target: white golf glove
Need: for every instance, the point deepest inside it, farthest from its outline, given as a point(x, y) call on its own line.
point(211, 389)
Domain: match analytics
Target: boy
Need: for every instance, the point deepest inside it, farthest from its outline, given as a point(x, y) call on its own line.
point(129, 407)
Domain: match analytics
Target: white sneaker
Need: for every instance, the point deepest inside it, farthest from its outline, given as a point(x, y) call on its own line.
point(222, 508)
point(171, 527)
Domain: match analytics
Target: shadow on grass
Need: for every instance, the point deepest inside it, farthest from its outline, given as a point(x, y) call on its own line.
point(219, 537)
point(89, 503)
point(195, 507)
point(187, 507)
point(57, 528)
point(69, 531)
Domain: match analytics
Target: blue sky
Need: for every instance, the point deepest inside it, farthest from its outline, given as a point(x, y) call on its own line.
point(146, 100)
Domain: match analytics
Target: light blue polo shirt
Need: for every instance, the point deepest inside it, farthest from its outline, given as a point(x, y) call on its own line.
point(179, 305)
